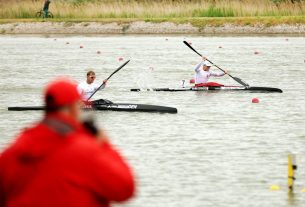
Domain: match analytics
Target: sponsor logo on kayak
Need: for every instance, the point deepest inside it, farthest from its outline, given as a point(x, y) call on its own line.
point(87, 107)
point(130, 106)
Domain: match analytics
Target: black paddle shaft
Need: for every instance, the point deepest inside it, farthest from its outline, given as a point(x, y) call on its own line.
point(235, 78)
point(108, 78)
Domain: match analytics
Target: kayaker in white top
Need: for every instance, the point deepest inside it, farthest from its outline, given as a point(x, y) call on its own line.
point(87, 88)
point(203, 74)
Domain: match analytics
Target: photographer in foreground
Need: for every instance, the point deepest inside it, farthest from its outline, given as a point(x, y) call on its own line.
point(61, 162)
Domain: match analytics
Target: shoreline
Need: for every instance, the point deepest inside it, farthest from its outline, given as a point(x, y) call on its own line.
point(147, 27)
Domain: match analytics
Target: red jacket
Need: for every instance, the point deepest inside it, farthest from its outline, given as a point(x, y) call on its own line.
point(59, 163)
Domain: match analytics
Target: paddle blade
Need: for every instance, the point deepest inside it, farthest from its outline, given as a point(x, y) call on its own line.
point(238, 80)
point(187, 44)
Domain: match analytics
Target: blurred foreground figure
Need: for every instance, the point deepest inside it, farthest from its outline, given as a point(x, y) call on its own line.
point(61, 162)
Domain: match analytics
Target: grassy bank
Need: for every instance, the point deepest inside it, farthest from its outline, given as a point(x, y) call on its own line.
point(149, 9)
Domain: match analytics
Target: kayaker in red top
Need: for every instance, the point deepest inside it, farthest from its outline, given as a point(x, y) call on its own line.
point(61, 162)
point(203, 73)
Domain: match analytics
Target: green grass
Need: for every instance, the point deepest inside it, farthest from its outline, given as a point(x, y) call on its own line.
point(213, 11)
point(196, 12)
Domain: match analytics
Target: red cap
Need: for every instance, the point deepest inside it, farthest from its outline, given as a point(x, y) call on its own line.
point(61, 92)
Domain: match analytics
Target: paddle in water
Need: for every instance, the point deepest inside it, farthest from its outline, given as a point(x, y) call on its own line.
point(235, 78)
point(104, 82)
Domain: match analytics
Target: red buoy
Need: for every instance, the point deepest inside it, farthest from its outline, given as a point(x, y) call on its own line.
point(190, 43)
point(256, 53)
point(81, 46)
point(98, 52)
point(120, 59)
point(192, 80)
point(255, 100)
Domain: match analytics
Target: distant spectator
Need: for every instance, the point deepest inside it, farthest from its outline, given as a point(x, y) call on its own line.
point(46, 8)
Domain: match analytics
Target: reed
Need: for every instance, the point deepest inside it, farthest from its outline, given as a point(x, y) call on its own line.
point(143, 9)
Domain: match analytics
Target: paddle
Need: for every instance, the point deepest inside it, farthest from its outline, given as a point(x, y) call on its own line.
point(109, 78)
point(235, 78)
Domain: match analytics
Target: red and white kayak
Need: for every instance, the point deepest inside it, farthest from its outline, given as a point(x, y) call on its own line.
point(214, 88)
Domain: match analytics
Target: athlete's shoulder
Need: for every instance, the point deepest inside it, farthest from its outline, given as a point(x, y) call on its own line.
point(82, 84)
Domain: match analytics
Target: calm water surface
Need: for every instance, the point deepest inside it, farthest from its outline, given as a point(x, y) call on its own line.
point(219, 150)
